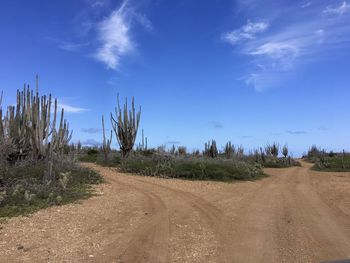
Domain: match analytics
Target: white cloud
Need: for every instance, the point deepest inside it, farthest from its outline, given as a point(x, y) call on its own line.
point(274, 56)
point(114, 35)
point(68, 46)
point(281, 54)
point(247, 31)
point(71, 109)
point(305, 5)
point(276, 50)
point(337, 10)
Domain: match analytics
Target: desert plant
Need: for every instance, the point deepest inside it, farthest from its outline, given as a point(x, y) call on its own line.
point(229, 150)
point(196, 153)
point(182, 150)
point(285, 151)
point(161, 148)
point(193, 168)
point(29, 127)
point(210, 149)
point(125, 126)
point(106, 143)
point(262, 155)
point(275, 149)
point(79, 146)
point(240, 150)
point(172, 150)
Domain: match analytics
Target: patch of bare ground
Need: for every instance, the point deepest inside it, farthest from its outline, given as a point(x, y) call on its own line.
point(295, 215)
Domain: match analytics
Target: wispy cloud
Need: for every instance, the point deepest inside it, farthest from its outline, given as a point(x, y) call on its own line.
point(67, 45)
point(71, 109)
point(341, 9)
point(91, 130)
point(323, 128)
point(114, 35)
point(296, 132)
point(216, 125)
point(173, 142)
point(246, 136)
point(247, 31)
point(305, 5)
point(287, 42)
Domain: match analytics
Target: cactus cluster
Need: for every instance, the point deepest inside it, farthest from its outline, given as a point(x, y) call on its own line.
point(210, 149)
point(28, 126)
point(125, 126)
point(229, 150)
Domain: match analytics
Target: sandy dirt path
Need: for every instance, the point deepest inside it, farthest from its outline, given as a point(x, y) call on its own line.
point(295, 215)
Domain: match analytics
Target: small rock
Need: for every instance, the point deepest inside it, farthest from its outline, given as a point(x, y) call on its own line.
point(20, 247)
point(91, 256)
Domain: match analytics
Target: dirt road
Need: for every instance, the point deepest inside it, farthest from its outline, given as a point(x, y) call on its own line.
point(295, 215)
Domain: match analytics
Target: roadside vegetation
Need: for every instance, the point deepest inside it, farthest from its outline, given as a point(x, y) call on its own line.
point(37, 167)
point(211, 164)
point(328, 161)
point(232, 163)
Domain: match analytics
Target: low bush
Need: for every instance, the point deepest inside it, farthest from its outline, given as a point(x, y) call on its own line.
point(22, 187)
point(98, 157)
point(283, 162)
point(333, 162)
point(192, 168)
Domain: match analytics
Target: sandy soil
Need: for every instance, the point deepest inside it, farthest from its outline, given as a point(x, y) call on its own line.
point(295, 215)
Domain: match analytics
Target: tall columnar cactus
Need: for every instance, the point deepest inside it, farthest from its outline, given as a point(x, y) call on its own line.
point(285, 151)
point(275, 148)
point(106, 144)
point(125, 126)
point(229, 150)
point(28, 126)
point(210, 149)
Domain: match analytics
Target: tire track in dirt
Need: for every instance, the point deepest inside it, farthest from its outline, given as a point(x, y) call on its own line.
point(148, 242)
point(209, 213)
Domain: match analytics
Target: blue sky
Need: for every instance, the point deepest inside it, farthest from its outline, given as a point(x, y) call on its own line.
point(248, 71)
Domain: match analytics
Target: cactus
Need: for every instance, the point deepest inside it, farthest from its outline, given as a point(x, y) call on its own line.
point(125, 126)
point(173, 150)
point(106, 144)
point(285, 151)
point(210, 149)
point(262, 154)
point(240, 151)
point(229, 150)
point(275, 148)
point(182, 151)
point(28, 126)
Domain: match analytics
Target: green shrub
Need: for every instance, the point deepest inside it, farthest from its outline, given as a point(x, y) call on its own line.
point(334, 162)
point(22, 188)
point(193, 168)
point(283, 162)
